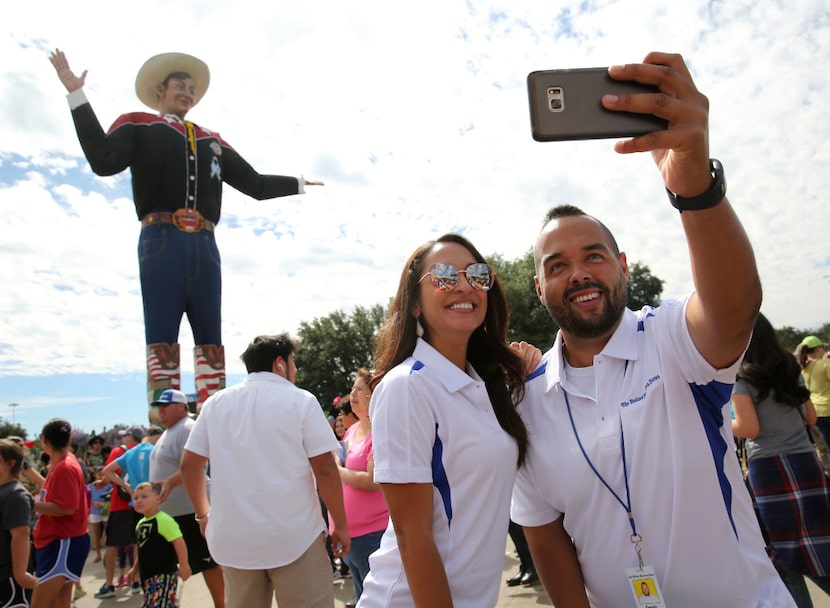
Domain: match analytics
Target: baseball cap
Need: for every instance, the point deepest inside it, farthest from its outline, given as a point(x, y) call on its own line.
point(153, 430)
point(812, 342)
point(136, 431)
point(169, 396)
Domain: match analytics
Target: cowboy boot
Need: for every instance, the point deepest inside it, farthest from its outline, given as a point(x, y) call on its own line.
point(163, 369)
point(163, 372)
point(209, 371)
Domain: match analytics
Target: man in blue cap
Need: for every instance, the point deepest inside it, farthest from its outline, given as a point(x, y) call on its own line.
point(173, 412)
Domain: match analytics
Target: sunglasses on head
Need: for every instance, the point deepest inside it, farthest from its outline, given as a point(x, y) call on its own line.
point(445, 276)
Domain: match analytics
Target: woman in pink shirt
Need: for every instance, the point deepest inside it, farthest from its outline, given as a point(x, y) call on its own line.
point(365, 506)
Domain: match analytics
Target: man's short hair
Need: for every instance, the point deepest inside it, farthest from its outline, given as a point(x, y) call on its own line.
point(264, 350)
point(560, 211)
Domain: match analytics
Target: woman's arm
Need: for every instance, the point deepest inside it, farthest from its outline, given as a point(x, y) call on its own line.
point(361, 480)
point(52, 509)
point(810, 415)
point(746, 422)
point(20, 557)
point(410, 508)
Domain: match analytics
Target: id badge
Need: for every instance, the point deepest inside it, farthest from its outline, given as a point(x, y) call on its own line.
point(188, 220)
point(643, 584)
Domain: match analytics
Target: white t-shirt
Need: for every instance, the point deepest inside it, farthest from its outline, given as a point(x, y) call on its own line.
point(433, 423)
point(259, 436)
point(687, 493)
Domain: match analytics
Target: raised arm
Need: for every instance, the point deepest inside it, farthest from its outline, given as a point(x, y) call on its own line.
point(722, 312)
point(66, 75)
point(106, 155)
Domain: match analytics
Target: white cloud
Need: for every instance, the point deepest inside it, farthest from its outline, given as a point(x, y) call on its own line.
point(416, 117)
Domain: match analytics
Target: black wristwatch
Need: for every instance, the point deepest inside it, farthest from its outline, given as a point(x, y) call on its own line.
point(714, 195)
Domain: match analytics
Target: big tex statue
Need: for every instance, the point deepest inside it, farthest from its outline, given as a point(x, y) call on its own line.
point(178, 169)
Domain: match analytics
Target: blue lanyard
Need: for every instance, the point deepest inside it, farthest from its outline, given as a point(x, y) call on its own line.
point(635, 537)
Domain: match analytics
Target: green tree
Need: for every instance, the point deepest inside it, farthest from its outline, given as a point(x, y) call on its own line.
point(7, 429)
point(333, 348)
point(789, 337)
point(644, 289)
point(529, 320)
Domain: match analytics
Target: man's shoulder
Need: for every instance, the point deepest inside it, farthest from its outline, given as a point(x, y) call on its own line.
point(138, 119)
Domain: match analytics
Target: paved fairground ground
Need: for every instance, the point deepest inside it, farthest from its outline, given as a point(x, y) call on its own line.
point(194, 594)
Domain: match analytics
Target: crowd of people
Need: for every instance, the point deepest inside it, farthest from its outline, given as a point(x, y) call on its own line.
point(96, 503)
point(609, 459)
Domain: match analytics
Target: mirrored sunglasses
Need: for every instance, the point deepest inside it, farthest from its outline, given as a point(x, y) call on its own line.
point(445, 276)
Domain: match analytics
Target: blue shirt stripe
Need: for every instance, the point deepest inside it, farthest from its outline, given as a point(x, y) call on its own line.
point(709, 399)
point(439, 476)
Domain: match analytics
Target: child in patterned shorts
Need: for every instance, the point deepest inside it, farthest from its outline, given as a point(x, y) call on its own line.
point(162, 554)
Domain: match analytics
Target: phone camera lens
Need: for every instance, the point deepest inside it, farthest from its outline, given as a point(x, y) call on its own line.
point(555, 104)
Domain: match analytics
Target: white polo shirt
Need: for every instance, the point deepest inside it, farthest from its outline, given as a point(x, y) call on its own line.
point(433, 423)
point(687, 495)
point(259, 436)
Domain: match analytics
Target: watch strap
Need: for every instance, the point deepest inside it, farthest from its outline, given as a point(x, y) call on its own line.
point(714, 195)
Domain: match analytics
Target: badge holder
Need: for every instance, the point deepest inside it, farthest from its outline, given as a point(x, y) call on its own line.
point(643, 584)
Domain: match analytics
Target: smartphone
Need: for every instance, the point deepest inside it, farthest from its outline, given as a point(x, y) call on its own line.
point(566, 105)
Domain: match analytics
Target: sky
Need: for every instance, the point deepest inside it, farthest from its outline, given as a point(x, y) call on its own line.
point(416, 118)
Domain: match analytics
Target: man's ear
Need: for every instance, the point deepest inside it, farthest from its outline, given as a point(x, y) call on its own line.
point(624, 265)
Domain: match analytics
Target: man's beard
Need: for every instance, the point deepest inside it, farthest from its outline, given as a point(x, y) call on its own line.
point(593, 326)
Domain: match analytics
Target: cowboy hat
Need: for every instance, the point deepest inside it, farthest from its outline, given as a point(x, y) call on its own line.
point(159, 67)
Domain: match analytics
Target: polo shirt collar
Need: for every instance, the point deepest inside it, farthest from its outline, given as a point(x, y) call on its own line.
point(620, 346)
point(443, 370)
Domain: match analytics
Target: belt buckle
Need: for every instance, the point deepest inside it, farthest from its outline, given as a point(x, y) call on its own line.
point(188, 220)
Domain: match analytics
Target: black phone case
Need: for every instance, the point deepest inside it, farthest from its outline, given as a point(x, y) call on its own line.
point(582, 115)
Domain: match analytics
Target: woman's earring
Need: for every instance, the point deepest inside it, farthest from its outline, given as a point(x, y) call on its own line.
point(419, 329)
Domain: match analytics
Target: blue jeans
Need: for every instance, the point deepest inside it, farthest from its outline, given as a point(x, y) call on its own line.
point(180, 274)
point(357, 559)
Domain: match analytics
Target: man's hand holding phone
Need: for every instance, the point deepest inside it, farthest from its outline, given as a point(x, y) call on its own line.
point(681, 151)
point(654, 105)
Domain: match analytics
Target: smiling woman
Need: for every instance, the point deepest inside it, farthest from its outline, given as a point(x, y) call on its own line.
point(447, 439)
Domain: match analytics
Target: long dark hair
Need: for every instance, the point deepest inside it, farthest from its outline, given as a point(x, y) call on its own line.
point(487, 351)
point(769, 368)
